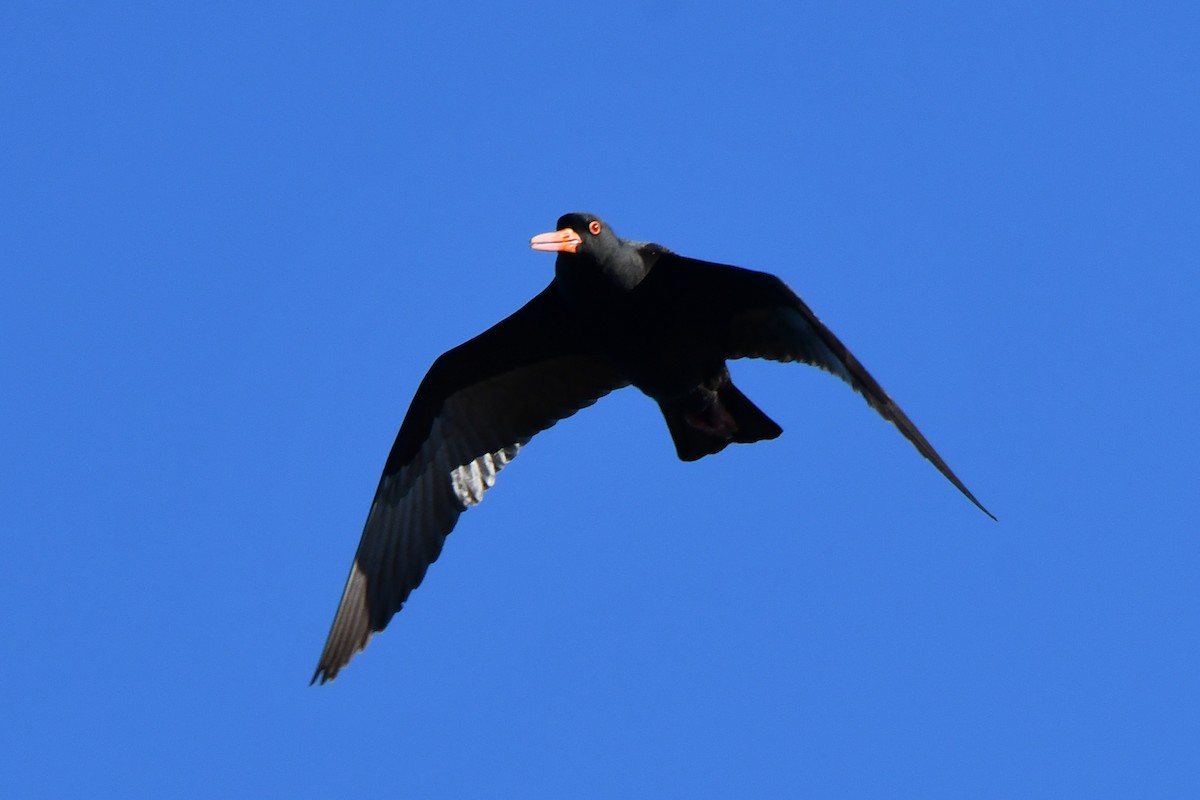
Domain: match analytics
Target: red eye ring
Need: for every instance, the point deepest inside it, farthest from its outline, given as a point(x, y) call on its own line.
point(594, 227)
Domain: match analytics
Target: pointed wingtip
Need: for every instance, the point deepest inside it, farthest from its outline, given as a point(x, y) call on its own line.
point(959, 485)
point(327, 670)
point(949, 474)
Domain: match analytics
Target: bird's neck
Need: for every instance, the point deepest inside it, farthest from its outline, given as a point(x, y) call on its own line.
point(587, 281)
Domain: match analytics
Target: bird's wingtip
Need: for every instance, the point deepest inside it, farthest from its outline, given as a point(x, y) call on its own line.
point(978, 504)
point(321, 677)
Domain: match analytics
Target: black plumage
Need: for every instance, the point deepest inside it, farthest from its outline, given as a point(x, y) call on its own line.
point(617, 313)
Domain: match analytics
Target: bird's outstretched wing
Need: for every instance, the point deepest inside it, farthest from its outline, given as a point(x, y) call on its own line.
point(755, 315)
point(477, 406)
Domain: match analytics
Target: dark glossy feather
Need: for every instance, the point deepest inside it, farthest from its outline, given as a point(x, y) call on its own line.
point(755, 315)
point(477, 406)
point(617, 313)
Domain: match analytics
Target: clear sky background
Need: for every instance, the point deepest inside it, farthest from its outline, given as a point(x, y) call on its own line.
point(234, 236)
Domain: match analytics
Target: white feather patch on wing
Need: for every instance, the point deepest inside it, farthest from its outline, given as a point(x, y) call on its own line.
point(472, 479)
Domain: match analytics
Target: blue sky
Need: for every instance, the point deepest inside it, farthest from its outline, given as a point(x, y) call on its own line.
point(234, 237)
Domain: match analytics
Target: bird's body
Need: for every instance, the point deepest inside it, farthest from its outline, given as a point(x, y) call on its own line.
point(660, 322)
point(617, 313)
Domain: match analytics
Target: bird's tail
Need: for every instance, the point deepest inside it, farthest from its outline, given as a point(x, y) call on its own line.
point(701, 426)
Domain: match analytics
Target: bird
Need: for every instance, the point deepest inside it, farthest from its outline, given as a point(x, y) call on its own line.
point(617, 313)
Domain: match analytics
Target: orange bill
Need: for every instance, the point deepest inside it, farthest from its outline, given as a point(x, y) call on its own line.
point(564, 241)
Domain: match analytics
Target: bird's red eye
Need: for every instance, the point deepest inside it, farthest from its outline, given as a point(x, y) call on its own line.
point(594, 227)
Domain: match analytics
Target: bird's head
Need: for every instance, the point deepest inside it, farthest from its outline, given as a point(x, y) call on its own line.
point(579, 234)
point(592, 260)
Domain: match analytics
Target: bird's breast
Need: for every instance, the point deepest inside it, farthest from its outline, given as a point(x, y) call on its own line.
point(663, 363)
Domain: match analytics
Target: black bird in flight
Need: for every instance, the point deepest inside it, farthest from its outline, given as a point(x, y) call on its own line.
point(617, 313)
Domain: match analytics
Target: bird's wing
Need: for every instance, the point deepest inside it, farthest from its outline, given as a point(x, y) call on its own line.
point(755, 315)
point(477, 406)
